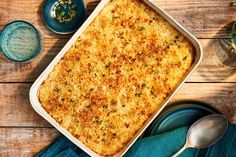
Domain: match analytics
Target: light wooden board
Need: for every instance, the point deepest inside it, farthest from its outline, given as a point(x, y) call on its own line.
point(15, 109)
point(204, 18)
point(23, 133)
point(25, 142)
point(211, 68)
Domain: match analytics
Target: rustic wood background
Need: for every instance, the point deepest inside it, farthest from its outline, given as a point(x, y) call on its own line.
point(24, 133)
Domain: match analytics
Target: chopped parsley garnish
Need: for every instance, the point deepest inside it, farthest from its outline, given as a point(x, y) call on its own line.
point(69, 70)
point(105, 106)
point(57, 89)
point(108, 64)
point(138, 94)
point(98, 121)
point(185, 58)
point(115, 17)
point(141, 28)
point(140, 53)
point(151, 91)
point(144, 85)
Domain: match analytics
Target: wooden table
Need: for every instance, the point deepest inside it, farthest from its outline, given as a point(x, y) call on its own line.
point(24, 133)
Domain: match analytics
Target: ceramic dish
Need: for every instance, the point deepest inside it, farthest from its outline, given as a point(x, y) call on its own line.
point(20, 41)
point(34, 89)
point(64, 16)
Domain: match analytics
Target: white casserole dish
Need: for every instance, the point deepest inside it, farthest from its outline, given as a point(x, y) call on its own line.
point(34, 89)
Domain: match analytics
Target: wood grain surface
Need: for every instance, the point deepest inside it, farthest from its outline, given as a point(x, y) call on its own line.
point(204, 18)
point(15, 103)
point(24, 133)
point(211, 68)
point(24, 142)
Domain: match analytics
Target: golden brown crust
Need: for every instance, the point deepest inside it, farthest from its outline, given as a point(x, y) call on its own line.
point(117, 74)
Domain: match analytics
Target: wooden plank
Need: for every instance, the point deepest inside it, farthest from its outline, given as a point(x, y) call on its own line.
point(205, 19)
point(15, 109)
point(25, 142)
point(221, 95)
point(211, 68)
point(28, 72)
point(218, 62)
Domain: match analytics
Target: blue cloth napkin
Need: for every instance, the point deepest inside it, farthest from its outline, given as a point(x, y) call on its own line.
point(163, 145)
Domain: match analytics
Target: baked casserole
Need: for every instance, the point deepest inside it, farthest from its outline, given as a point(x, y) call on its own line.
point(116, 75)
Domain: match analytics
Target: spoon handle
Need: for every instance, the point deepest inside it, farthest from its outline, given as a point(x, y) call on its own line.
point(180, 151)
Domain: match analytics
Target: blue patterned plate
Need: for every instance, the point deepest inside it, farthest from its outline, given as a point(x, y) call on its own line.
point(20, 41)
point(64, 16)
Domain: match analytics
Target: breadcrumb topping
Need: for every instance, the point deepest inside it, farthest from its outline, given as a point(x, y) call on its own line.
point(116, 75)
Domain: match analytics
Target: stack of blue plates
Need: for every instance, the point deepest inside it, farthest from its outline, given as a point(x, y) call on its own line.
point(178, 114)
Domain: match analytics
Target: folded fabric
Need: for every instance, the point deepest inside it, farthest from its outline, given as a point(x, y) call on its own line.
point(163, 145)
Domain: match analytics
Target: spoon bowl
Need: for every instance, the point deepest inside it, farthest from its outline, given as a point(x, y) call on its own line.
point(205, 132)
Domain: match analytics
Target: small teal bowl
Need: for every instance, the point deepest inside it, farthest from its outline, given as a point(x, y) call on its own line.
point(64, 16)
point(20, 41)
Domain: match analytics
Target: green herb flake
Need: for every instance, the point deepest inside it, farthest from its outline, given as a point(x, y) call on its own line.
point(155, 18)
point(69, 70)
point(88, 106)
point(115, 17)
point(138, 94)
point(108, 64)
point(157, 72)
point(151, 92)
point(98, 122)
point(57, 89)
point(184, 59)
point(141, 28)
point(140, 53)
point(72, 100)
point(105, 106)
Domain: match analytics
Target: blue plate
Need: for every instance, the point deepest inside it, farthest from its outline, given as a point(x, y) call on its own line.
point(64, 16)
point(179, 114)
point(20, 41)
